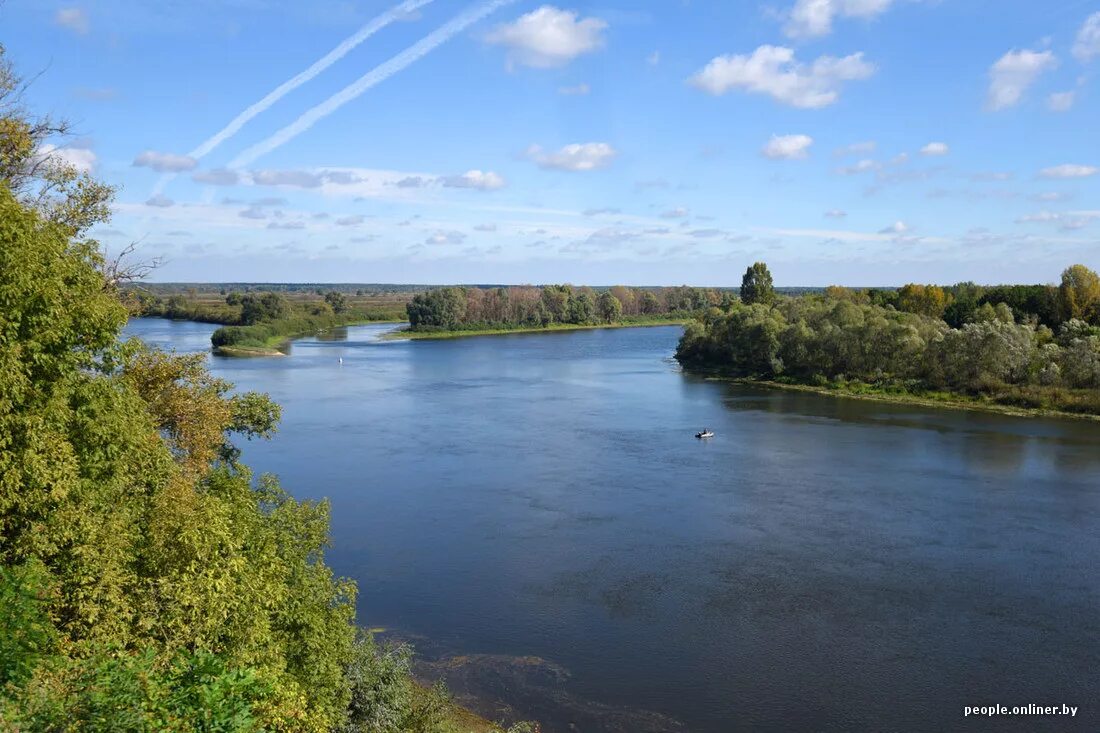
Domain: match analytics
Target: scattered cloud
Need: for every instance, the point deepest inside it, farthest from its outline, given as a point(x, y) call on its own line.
point(654, 58)
point(678, 213)
point(445, 237)
point(574, 157)
point(578, 91)
point(864, 147)
point(898, 227)
point(287, 225)
point(835, 214)
point(1051, 196)
point(788, 147)
point(814, 18)
point(773, 70)
point(935, 149)
point(863, 166)
point(82, 159)
point(1061, 101)
point(1012, 74)
point(991, 176)
point(485, 227)
point(293, 178)
point(253, 212)
point(73, 19)
point(165, 162)
point(1087, 45)
point(480, 180)
point(1069, 170)
point(412, 182)
point(217, 177)
point(349, 221)
point(706, 233)
point(548, 37)
point(160, 201)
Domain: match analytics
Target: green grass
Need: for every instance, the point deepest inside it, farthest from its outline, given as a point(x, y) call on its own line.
point(407, 333)
point(267, 339)
point(1011, 400)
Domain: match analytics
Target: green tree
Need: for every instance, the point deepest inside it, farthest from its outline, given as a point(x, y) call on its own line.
point(610, 307)
point(337, 301)
point(756, 285)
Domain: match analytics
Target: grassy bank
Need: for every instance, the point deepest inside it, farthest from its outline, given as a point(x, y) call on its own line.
point(269, 338)
point(1078, 404)
point(408, 333)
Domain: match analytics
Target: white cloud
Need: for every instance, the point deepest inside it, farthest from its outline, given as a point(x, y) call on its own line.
point(445, 237)
point(935, 149)
point(1087, 45)
point(349, 221)
point(898, 227)
point(485, 227)
point(1012, 74)
point(548, 37)
point(654, 58)
point(297, 179)
point(813, 18)
point(835, 214)
point(773, 70)
point(217, 177)
point(678, 213)
point(160, 201)
point(480, 180)
point(574, 157)
point(82, 159)
point(788, 147)
point(74, 19)
point(859, 148)
point(1061, 101)
point(1069, 170)
point(863, 166)
point(165, 162)
point(578, 91)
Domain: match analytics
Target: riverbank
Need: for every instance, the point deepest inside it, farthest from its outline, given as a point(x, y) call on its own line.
point(406, 333)
point(943, 400)
point(270, 339)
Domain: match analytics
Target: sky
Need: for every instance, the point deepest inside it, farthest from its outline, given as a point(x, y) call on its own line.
point(660, 142)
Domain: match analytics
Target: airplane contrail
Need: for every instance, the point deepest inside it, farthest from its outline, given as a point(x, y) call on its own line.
point(349, 43)
point(375, 76)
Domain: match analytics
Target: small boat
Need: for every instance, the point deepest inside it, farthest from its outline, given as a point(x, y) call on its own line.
point(707, 433)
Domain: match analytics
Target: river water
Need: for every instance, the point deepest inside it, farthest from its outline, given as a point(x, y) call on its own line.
point(534, 512)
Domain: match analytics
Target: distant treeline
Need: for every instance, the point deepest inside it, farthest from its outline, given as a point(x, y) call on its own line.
point(1036, 346)
point(470, 308)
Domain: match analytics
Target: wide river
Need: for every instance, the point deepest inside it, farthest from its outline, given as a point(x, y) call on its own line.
point(534, 513)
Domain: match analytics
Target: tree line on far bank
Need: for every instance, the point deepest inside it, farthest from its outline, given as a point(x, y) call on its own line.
point(1038, 347)
point(472, 308)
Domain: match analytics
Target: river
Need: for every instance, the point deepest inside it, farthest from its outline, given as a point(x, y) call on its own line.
point(534, 513)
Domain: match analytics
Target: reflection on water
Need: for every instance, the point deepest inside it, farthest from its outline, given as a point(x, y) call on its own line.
point(820, 564)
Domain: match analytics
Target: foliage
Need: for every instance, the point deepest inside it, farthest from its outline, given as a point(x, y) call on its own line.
point(1079, 294)
point(814, 340)
point(756, 285)
point(482, 309)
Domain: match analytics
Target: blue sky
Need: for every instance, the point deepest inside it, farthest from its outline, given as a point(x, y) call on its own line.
point(855, 142)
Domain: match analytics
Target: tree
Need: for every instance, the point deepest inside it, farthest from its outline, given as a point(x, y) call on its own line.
point(1079, 294)
point(337, 300)
point(927, 300)
point(610, 308)
point(756, 285)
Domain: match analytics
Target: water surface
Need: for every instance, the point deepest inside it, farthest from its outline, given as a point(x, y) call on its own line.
point(820, 565)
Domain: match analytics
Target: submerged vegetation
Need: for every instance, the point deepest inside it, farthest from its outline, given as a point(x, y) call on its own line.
point(854, 341)
point(148, 580)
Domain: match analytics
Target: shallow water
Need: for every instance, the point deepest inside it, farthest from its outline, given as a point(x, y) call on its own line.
point(821, 564)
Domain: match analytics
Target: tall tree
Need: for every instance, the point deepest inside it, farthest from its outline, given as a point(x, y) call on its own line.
point(1079, 294)
point(756, 285)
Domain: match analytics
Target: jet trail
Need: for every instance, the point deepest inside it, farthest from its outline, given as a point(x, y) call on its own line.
point(375, 76)
point(290, 85)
